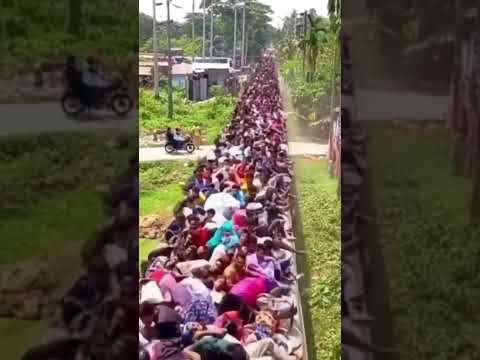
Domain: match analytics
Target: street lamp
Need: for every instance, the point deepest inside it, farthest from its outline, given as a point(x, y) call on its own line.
point(204, 31)
point(155, 54)
point(235, 7)
point(169, 54)
point(211, 29)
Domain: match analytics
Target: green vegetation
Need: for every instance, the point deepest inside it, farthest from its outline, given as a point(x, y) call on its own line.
point(161, 188)
point(19, 335)
point(210, 116)
point(431, 250)
point(260, 32)
point(161, 185)
point(320, 215)
point(48, 179)
point(30, 34)
point(51, 202)
point(310, 65)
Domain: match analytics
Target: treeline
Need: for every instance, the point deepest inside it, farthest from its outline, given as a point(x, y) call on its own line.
point(50, 30)
point(310, 63)
point(260, 34)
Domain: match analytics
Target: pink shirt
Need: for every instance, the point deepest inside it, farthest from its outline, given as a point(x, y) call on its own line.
point(249, 288)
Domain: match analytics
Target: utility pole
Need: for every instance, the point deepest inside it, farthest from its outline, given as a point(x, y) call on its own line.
point(211, 29)
point(193, 20)
point(246, 46)
point(235, 37)
point(305, 39)
point(294, 24)
point(243, 36)
point(155, 52)
point(204, 31)
point(334, 65)
point(169, 44)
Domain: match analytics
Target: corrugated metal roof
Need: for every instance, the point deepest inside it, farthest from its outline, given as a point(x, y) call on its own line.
point(210, 66)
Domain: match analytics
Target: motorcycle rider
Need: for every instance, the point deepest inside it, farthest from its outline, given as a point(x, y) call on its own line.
point(73, 77)
point(94, 81)
point(178, 137)
point(171, 138)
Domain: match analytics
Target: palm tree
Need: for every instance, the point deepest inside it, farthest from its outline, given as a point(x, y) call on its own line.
point(314, 41)
point(334, 7)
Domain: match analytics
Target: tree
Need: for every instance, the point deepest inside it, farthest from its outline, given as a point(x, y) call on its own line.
point(145, 30)
point(259, 30)
point(74, 16)
point(475, 88)
point(316, 39)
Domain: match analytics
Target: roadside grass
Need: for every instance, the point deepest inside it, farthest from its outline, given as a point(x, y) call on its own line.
point(51, 204)
point(52, 224)
point(210, 116)
point(431, 251)
point(51, 188)
point(161, 188)
point(320, 214)
point(18, 336)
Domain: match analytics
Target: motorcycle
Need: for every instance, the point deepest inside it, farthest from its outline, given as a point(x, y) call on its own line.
point(115, 97)
point(186, 145)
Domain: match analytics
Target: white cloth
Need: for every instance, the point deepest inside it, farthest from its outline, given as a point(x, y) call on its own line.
point(267, 346)
point(196, 287)
point(218, 252)
point(178, 137)
point(267, 266)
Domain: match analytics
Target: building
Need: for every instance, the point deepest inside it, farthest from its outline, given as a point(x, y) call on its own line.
point(181, 74)
point(195, 75)
point(218, 70)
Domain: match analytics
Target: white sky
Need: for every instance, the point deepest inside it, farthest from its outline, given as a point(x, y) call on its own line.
point(281, 8)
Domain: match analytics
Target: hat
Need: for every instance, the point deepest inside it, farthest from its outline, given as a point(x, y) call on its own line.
point(264, 239)
point(254, 206)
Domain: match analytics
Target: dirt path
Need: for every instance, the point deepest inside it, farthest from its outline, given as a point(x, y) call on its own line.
point(158, 153)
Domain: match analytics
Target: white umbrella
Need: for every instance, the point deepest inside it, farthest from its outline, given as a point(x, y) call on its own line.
point(220, 202)
point(235, 151)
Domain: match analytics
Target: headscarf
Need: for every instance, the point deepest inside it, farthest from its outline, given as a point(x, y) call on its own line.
point(217, 238)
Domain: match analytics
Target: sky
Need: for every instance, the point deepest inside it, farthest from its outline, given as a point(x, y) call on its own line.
point(281, 8)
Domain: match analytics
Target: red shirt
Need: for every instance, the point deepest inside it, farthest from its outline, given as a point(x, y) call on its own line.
point(200, 236)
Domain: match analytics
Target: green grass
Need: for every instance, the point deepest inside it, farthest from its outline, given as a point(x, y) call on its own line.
point(431, 251)
point(49, 190)
point(51, 224)
point(210, 116)
point(320, 215)
point(50, 207)
point(17, 336)
point(161, 188)
point(161, 185)
point(146, 246)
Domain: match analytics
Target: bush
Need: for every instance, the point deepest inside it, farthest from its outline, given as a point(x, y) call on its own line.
point(217, 91)
point(211, 116)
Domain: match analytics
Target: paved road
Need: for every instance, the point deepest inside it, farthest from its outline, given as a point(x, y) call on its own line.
point(158, 153)
point(49, 117)
point(396, 105)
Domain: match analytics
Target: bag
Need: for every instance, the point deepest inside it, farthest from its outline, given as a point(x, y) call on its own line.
point(283, 307)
